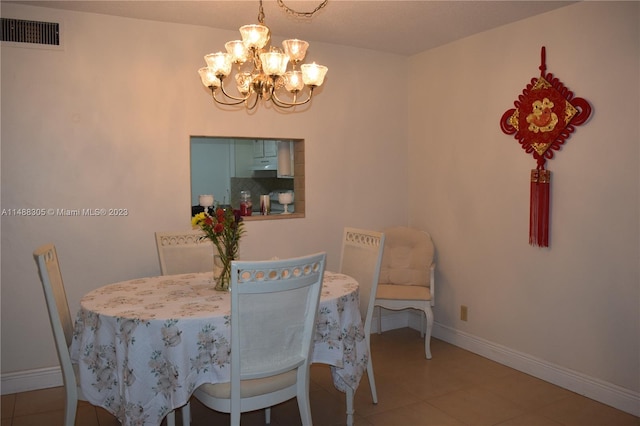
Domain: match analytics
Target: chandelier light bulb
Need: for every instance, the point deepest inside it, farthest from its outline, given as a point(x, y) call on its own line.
point(313, 74)
point(219, 63)
point(254, 36)
point(208, 78)
point(238, 51)
point(274, 63)
point(295, 49)
point(293, 81)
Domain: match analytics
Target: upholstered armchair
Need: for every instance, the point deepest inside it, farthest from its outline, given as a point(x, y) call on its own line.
point(407, 277)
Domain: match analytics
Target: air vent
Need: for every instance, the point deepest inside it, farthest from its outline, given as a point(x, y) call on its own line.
point(34, 32)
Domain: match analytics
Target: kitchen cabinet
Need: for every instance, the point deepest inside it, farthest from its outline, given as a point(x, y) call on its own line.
point(265, 148)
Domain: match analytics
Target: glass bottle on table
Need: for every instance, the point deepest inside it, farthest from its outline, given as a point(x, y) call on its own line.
point(245, 203)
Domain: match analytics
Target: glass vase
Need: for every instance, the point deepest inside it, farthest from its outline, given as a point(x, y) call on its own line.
point(222, 272)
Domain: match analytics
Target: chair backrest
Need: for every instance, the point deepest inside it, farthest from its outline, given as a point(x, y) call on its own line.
point(184, 252)
point(47, 260)
point(361, 259)
point(408, 256)
point(273, 314)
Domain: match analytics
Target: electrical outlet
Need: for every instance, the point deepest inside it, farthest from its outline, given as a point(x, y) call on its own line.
point(463, 312)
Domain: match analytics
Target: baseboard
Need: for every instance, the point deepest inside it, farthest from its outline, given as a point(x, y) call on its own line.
point(601, 391)
point(24, 381)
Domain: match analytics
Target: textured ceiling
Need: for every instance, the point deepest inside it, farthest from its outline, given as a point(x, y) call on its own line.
point(403, 27)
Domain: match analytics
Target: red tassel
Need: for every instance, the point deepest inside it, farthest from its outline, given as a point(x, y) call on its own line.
point(533, 211)
point(539, 208)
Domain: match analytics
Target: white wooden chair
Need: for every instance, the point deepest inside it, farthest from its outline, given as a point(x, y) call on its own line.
point(182, 252)
point(61, 323)
point(274, 305)
point(407, 277)
point(361, 259)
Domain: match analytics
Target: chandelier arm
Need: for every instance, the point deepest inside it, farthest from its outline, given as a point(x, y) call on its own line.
point(280, 104)
point(284, 104)
point(252, 106)
point(235, 98)
point(213, 94)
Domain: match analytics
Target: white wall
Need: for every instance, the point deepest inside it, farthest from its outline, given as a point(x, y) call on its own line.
point(574, 305)
point(105, 123)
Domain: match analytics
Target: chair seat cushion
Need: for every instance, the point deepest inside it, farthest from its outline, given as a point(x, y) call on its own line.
point(253, 387)
point(403, 292)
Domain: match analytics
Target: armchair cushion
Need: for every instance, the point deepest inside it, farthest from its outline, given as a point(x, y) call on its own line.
point(406, 259)
point(403, 292)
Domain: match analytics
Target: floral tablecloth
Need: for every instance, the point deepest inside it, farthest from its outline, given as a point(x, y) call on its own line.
point(143, 346)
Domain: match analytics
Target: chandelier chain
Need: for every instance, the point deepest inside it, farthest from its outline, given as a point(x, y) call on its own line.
point(261, 14)
point(299, 14)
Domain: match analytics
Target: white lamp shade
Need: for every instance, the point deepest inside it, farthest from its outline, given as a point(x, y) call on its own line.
point(254, 36)
point(208, 77)
point(238, 51)
point(313, 74)
point(295, 49)
point(293, 81)
point(219, 63)
point(274, 63)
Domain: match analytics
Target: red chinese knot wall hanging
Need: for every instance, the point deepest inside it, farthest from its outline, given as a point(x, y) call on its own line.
point(544, 116)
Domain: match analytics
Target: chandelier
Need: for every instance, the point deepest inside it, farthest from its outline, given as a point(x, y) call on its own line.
point(261, 70)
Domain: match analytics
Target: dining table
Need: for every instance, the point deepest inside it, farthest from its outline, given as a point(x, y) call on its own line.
point(143, 346)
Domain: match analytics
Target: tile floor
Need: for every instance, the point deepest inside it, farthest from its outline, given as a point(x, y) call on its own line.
point(456, 387)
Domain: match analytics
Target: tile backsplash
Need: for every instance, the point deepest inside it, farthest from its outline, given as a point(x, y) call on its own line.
point(257, 186)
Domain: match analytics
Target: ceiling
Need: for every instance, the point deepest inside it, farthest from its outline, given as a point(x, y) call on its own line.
point(402, 27)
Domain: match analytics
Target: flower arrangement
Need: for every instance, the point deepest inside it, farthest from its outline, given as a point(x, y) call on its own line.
point(224, 229)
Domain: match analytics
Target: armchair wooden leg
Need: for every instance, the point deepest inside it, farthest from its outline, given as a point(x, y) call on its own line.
point(427, 338)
